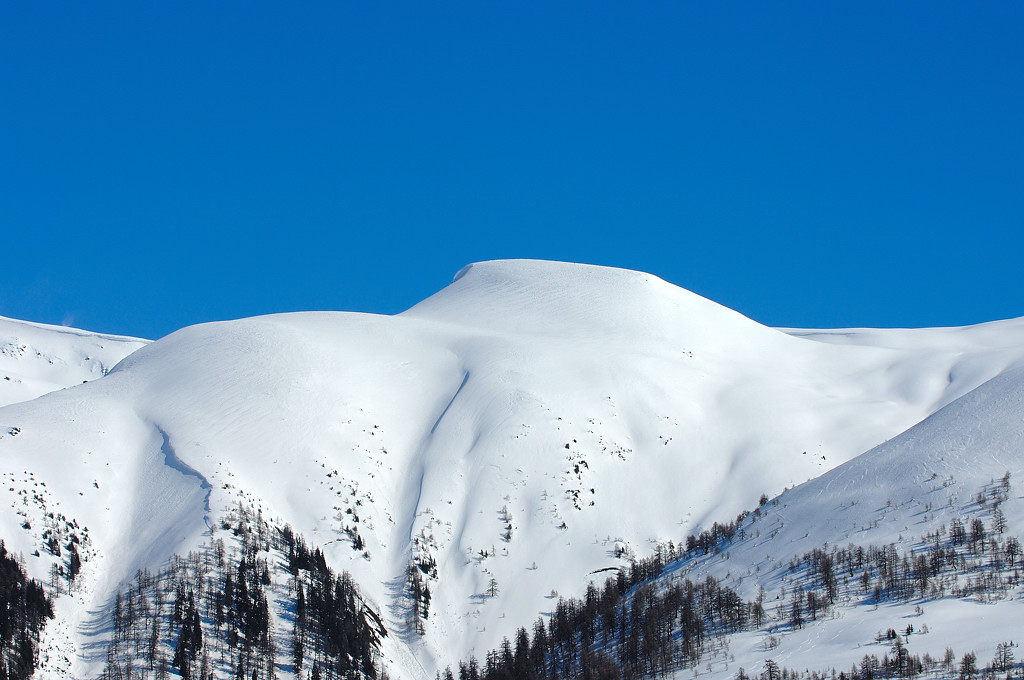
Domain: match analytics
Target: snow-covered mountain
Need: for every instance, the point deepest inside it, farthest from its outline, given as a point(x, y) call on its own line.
point(37, 358)
point(529, 425)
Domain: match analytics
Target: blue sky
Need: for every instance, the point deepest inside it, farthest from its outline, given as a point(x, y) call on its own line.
point(808, 164)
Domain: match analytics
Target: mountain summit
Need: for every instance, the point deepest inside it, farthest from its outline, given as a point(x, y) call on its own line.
point(574, 300)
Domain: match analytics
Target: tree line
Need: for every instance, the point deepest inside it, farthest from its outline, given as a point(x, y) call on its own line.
point(629, 628)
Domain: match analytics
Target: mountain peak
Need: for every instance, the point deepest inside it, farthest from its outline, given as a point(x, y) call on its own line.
point(573, 300)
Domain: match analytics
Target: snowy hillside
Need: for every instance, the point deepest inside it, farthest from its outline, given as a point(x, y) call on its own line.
point(905, 561)
point(36, 358)
point(964, 464)
point(528, 425)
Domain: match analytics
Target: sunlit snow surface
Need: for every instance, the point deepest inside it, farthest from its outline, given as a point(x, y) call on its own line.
point(37, 358)
point(603, 408)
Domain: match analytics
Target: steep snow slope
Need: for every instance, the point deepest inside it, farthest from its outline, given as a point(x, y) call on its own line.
point(37, 358)
point(517, 427)
point(916, 484)
point(949, 456)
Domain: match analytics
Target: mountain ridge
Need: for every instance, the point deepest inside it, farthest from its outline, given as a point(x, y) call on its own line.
point(39, 358)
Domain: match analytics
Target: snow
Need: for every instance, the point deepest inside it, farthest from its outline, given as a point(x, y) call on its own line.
point(917, 482)
point(602, 407)
point(37, 358)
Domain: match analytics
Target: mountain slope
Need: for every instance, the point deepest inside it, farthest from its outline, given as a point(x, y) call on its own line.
point(520, 429)
point(960, 467)
point(37, 358)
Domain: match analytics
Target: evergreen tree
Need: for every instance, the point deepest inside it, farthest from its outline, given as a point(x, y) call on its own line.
point(968, 666)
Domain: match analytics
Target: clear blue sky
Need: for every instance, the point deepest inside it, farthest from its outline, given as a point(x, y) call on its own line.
point(808, 164)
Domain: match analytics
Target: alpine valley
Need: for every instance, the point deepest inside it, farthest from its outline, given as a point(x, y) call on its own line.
point(544, 470)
